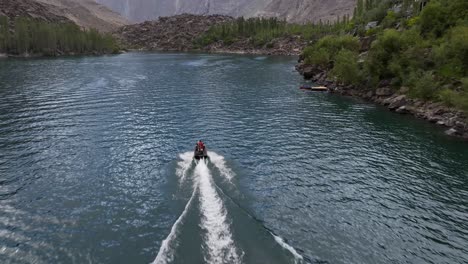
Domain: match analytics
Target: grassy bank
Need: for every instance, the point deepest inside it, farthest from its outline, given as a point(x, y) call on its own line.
point(419, 50)
point(30, 36)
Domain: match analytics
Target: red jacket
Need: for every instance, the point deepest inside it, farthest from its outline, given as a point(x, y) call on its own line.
point(201, 145)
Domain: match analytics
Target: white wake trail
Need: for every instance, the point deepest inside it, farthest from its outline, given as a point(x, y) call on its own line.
point(166, 252)
point(184, 165)
point(219, 241)
point(297, 257)
point(220, 163)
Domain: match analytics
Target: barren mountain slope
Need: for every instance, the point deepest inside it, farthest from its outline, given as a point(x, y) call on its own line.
point(168, 33)
point(87, 13)
point(29, 8)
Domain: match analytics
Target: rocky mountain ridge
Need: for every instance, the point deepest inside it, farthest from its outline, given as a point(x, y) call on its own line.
point(298, 11)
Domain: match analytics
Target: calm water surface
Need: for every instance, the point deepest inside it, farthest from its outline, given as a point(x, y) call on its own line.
point(95, 167)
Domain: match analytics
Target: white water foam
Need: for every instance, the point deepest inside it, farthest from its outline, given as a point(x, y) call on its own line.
point(166, 253)
point(184, 165)
point(297, 257)
point(220, 163)
point(219, 241)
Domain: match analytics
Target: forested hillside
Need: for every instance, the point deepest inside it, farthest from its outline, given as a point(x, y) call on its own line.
point(32, 36)
point(29, 27)
point(263, 31)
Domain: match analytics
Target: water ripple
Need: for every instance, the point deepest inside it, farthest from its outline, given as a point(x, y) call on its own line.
point(88, 149)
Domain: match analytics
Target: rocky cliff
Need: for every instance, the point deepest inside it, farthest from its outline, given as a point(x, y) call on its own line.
point(291, 10)
point(310, 10)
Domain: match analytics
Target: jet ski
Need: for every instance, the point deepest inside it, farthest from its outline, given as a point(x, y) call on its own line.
point(200, 153)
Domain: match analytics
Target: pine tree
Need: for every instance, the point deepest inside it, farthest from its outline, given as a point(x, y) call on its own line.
point(22, 35)
point(360, 8)
point(4, 34)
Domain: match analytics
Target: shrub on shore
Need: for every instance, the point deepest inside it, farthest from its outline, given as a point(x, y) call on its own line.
point(346, 68)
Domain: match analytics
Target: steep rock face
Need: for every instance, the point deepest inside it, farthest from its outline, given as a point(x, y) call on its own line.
point(310, 10)
point(292, 10)
point(142, 10)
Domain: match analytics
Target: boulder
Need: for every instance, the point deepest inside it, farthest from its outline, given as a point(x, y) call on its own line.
point(397, 102)
point(432, 118)
point(310, 71)
point(440, 110)
point(369, 95)
point(404, 90)
point(317, 77)
point(460, 125)
point(372, 24)
point(418, 103)
point(387, 101)
point(403, 110)
point(385, 83)
point(452, 132)
point(451, 121)
point(384, 92)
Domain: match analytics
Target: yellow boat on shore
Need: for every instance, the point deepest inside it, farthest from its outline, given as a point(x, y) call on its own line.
point(314, 88)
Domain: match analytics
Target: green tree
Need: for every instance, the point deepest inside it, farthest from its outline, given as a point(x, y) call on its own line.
point(22, 35)
point(360, 8)
point(4, 34)
point(346, 68)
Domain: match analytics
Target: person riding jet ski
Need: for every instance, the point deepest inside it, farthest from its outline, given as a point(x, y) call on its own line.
point(200, 151)
point(200, 145)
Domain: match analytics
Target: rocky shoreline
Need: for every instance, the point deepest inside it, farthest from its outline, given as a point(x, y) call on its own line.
point(229, 50)
point(287, 46)
point(454, 121)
